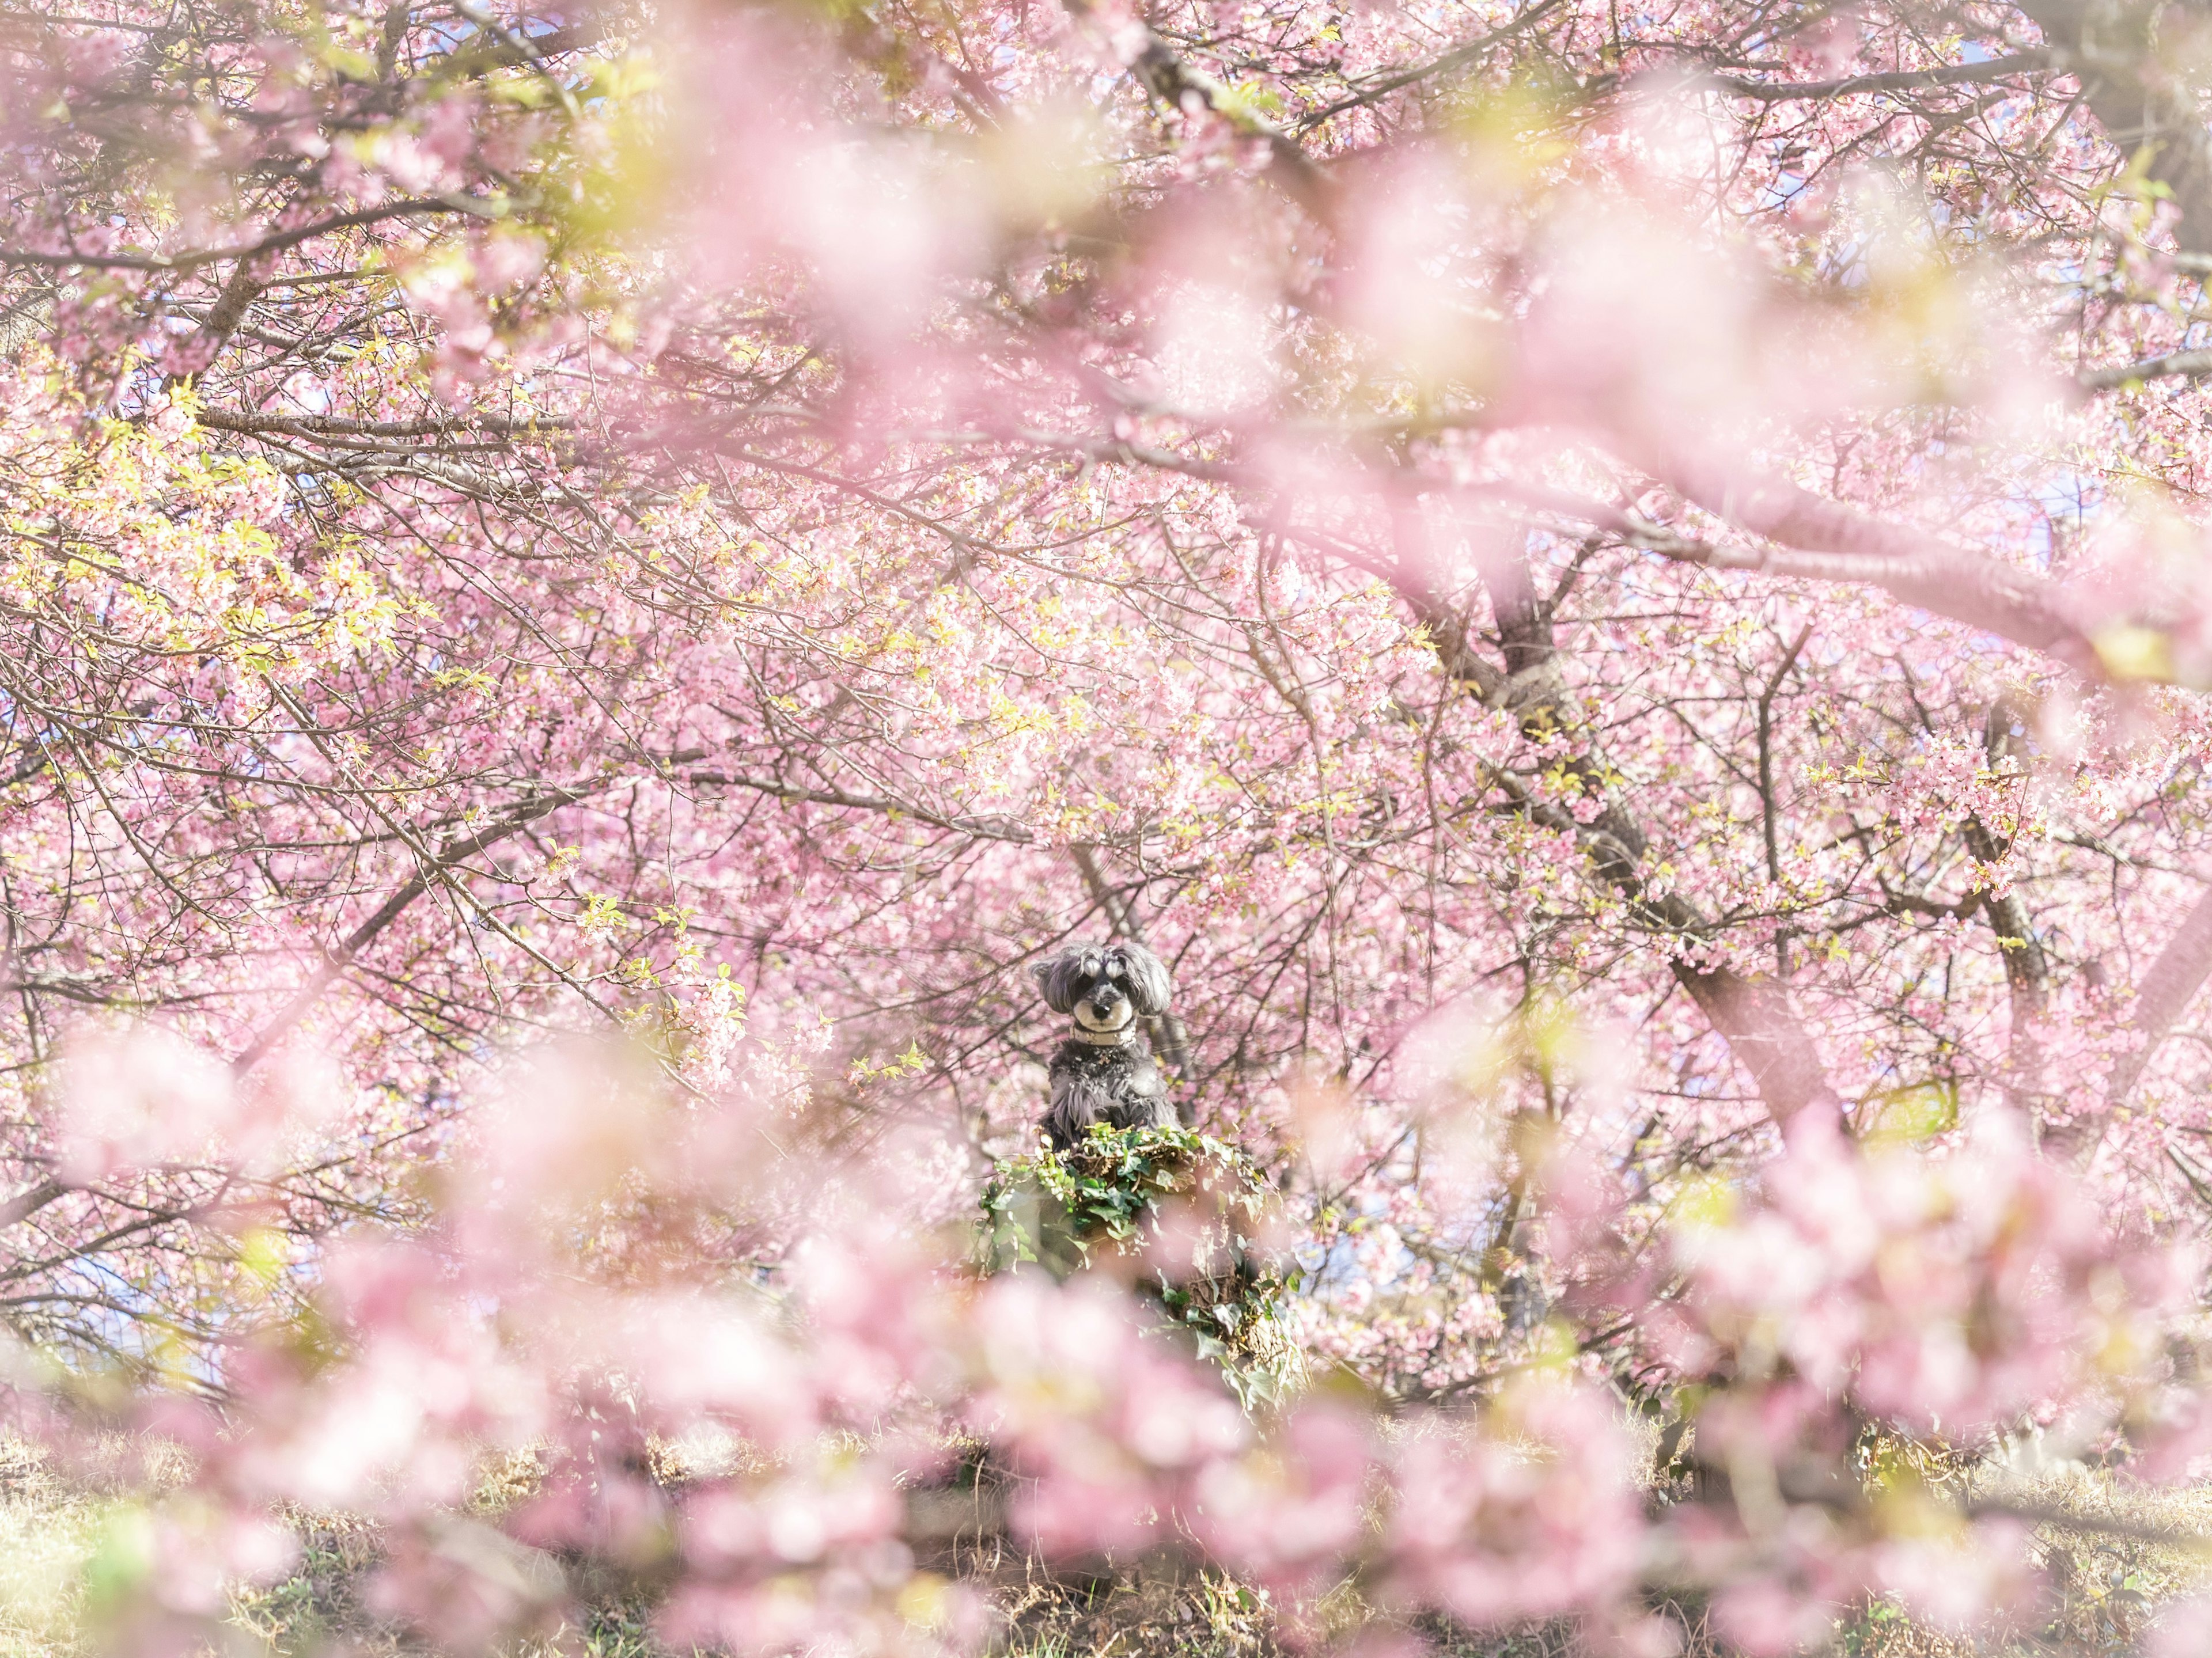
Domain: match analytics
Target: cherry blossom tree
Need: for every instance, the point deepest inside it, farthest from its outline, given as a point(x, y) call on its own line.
point(1619, 592)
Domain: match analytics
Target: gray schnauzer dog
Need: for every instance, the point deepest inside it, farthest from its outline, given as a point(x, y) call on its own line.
point(1103, 1073)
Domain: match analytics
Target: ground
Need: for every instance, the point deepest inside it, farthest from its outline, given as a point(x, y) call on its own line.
point(63, 1542)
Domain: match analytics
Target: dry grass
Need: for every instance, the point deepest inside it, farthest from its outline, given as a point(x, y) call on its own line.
point(1137, 1615)
point(49, 1537)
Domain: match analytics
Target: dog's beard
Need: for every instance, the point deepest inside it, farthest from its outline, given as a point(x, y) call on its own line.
point(1123, 1016)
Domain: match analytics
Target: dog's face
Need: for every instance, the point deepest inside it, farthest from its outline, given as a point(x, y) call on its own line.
point(1106, 986)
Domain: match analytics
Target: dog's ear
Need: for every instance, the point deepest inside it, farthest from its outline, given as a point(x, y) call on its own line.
point(1151, 987)
point(1055, 977)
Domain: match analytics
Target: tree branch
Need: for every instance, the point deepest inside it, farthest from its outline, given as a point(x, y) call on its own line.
point(2167, 988)
point(2182, 365)
point(1829, 541)
point(274, 242)
point(28, 1201)
point(1905, 79)
point(2142, 101)
point(1753, 1017)
point(994, 828)
point(359, 940)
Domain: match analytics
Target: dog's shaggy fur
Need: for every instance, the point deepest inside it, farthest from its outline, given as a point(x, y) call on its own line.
point(1103, 1073)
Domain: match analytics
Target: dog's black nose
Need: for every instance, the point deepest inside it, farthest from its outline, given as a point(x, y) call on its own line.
point(1106, 998)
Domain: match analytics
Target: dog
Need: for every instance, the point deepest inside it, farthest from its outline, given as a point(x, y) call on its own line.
point(1104, 1073)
